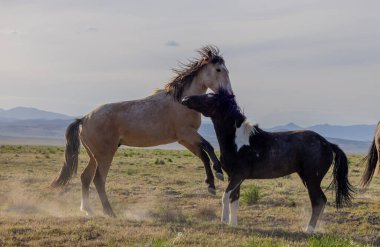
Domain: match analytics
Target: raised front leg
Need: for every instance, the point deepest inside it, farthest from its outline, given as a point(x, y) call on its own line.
point(230, 201)
point(197, 150)
point(207, 147)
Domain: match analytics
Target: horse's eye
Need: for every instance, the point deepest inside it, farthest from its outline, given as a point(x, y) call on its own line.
point(218, 70)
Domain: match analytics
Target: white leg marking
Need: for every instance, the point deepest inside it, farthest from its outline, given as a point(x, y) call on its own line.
point(309, 229)
point(234, 207)
point(225, 206)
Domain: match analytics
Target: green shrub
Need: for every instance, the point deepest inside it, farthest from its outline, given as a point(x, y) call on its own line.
point(250, 195)
point(330, 241)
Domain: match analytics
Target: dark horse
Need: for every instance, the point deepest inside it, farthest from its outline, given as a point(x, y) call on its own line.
point(372, 157)
point(248, 152)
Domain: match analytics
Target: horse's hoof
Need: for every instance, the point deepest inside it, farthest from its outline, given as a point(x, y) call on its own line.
point(212, 191)
point(233, 224)
point(89, 212)
point(224, 220)
point(110, 214)
point(219, 176)
point(310, 230)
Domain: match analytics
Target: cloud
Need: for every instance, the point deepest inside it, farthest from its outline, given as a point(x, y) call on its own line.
point(8, 32)
point(92, 29)
point(321, 55)
point(172, 43)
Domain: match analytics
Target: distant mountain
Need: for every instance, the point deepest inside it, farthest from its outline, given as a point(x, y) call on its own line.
point(37, 128)
point(24, 113)
point(336, 134)
point(350, 146)
point(352, 132)
point(27, 125)
point(287, 127)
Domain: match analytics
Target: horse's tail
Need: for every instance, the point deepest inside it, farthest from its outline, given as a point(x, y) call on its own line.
point(70, 166)
point(371, 160)
point(343, 188)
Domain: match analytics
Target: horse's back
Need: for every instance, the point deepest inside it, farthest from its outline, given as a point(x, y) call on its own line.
point(314, 154)
point(297, 140)
point(145, 122)
point(310, 143)
point(295, 150)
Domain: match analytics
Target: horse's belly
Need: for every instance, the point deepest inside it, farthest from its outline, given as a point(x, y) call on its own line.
point(147, 139)
point(269, 171)
point(146, 143)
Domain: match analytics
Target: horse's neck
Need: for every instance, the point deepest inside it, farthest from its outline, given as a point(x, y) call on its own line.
point(196, 87)
point(226, 138)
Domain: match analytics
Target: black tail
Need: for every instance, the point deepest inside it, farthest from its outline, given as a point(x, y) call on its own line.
point(371, 160)
point(70, 166)
point(343, 188)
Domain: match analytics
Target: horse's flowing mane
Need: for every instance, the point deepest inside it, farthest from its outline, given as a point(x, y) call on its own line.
point(186, 72)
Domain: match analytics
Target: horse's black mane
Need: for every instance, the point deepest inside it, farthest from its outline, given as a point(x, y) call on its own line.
point(258, 130)
point(227, 104)
point(186, 72)
point(231, 109)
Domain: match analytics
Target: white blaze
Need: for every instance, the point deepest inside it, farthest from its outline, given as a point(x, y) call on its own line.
point(242, 135)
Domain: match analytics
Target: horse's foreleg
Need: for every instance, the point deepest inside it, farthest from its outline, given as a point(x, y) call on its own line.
point(234, 206)
point(207, 147)
point(198, 151)
point(230, 201)
point(226, 206)
point(209, 177)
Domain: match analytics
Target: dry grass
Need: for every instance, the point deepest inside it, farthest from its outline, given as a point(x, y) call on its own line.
point(166, 203)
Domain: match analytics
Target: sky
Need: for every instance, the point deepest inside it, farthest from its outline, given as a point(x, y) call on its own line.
point(304, 61)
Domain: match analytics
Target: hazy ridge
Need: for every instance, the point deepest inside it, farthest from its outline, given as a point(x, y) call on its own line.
point(23, 125)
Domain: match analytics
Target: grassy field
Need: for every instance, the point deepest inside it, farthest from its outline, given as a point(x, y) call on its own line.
point(161, 200)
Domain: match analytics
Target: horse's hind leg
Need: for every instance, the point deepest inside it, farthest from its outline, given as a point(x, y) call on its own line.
point(100, 184)
point(318, 202)
point(86, 178)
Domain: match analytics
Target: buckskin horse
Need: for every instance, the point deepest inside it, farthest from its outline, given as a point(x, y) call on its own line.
point(154, 120)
